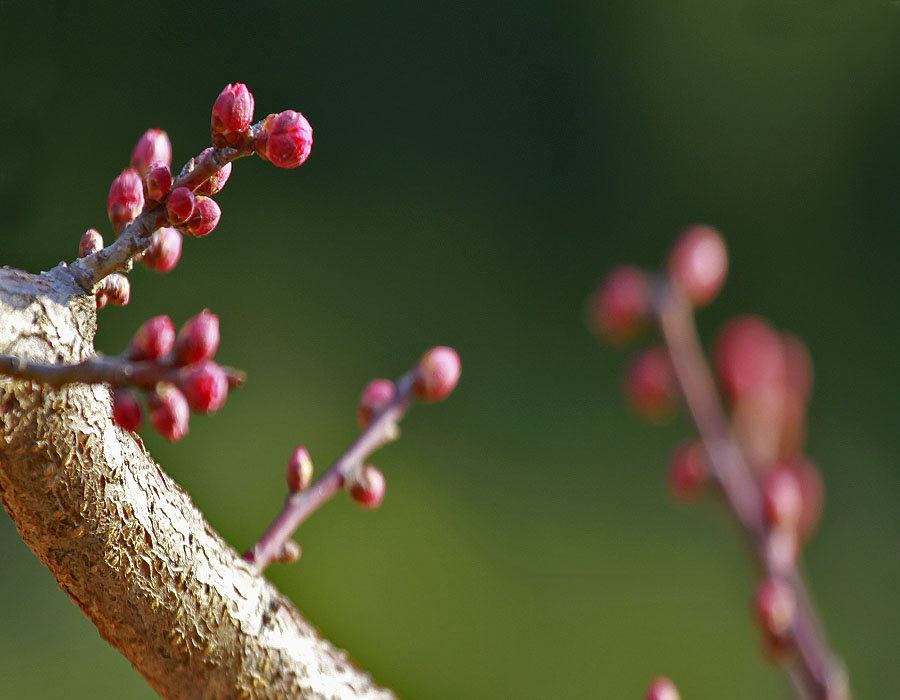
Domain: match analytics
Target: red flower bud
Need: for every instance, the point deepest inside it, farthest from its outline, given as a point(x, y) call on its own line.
point(662, 689)
point(126, 199)
point(748, 358)
point(205, 219)
point(231, 115)
point(368, 488)
point(216, 181)
point(198, 338)
point(782, 498)
point(688, 471)
point(153, 340)
point(775, 606)
point(650, 383)
point(299, 470)
point(285, 139)
point(180, 205)
point(205, 385)
point(152, 147)
point(90, 243)
point(126, 409)
point(377, 394)
point(169, 412)
point(620, 306)
point(117, 289)
point(164, 250)
point(157, 182)
point(698, 263)
point(436, 374)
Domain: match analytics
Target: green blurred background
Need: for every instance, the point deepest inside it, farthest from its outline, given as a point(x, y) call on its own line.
point(476, 167)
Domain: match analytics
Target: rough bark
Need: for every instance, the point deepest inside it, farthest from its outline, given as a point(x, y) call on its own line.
point(126, 543)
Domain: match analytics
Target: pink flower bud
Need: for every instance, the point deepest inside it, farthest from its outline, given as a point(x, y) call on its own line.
point(748, 358)
point(126, 199)
point(205, 386)
point(782, 498)
point(698, 263)
point(117, 289)
point(126, 409)
point(169, 412)
point(775, 606)
point(180, 205)
point(152, 147)
point(299, 470)
point(90, 243)
point(231, 115)
point(650, 383)
point(368, 488)
point(688, 471)
point(620, 306)
point(198, 338)
point(153, 340)
point(436, 374)
point(377, 394)
point(216, 181)
point(205, 219)
point(285, 139)
point(164, 250)
point(662, 689)
point(157, 183)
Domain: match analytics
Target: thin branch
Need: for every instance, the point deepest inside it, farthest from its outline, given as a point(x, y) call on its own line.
point(100, 369)
point(299, 506)
point(816, 674)
point(135, 238)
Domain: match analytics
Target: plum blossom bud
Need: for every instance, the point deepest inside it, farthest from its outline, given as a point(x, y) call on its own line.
point(205, 219)
point(180, 205)
point(436, 374)
point(377, 394)
point(299, 470)
point(285, 139)
point(698, 263)
point(688, 471)
point(117, 289)
point(748, 358)
point(126, 199)
point(231, 115)
point(205, 386)
point(126, 409)
point(169, 412)
point(90, 243)
point(157, 182)
point(650, 383)
point(198, 338)
point(164, 250)
point(216, 181)
point(782, 498)
point(368, 488)
point(153, 147)
point(775, 606)
point(620, 306)
point(153, 340)
point(662, 689)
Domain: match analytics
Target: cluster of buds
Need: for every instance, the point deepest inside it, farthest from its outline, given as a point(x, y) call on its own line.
point(177, 375)
point(381, 405)
point(764, 379)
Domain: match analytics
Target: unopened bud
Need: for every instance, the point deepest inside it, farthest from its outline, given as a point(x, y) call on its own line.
point(620, 306)
point(698, 263)
point(437, 374)
point(90, 243)
point(157, 182)
point(205, 386)
point(205, 219)
point(117, 289)
point(153, 147)
point(775, 606)
point(153, 340)
point(164, 250)
point(231, 115)
point(650, 383)
point(126, 409)
point(299, 470)
point(126, 199)
point(169, 412)
point(285, 139)
point(198, 338)
point(216, 181)
point(377, 394)
point(180, 205)
point(662, 689)
point(688, 471)
point(368, 488)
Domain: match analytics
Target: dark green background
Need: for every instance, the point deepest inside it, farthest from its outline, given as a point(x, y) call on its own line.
point(476, 167)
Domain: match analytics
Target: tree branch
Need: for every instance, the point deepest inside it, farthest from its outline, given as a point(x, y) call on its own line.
point(125, 542)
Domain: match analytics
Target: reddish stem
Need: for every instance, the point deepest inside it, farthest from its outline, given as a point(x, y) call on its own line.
point(816, 674)
point(299, 506)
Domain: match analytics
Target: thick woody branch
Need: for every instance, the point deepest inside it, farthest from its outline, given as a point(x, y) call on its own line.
point(816, 674)
point(126, 543)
